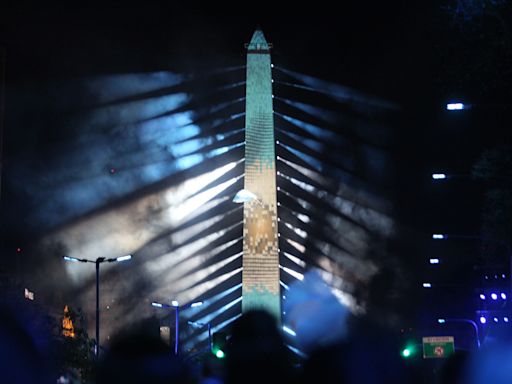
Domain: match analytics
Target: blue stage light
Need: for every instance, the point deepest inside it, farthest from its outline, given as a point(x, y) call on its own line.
point(503, 295)
point(494, 296)
point(482, 296)
point(483, 320)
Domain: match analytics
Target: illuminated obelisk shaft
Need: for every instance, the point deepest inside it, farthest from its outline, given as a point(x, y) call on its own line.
point(260, 276)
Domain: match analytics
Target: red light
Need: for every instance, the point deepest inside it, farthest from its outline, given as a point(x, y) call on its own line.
point(112, 170)
point(18, 250)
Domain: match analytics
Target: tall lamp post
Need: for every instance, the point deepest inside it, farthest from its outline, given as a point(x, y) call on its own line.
point(176, 305)
point(198, 324)
point(98, 261)
point(475, 327)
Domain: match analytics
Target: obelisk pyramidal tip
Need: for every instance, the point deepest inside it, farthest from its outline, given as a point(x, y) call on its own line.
point(260, 276)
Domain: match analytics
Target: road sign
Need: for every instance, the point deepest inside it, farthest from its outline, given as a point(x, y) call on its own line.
point(438, 347)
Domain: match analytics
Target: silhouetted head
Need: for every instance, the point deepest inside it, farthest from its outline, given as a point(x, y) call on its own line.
point(256, 352)
point(141, 356)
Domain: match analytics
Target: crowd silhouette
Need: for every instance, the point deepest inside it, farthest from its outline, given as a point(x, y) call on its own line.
point(256, 352)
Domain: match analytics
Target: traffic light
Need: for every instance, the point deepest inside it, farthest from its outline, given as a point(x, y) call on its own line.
point(219, 344)
point(408, 351)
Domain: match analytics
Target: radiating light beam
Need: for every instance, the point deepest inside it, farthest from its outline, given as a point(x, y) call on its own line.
point(289, 331)
point(296, 260)
point(291, 272)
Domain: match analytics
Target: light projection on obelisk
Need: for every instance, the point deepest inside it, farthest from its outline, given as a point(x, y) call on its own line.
point(260, 276)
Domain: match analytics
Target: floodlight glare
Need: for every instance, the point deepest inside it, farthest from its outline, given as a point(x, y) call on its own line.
point(175, 303)
point(441, 321)
point(434, 261)
point(438, 176)
point(483, 320)
point(495, 319)
point(482, 296)
point(494, 296)
point(244, 196)
point(505, 319)
point(427, 285)
point(503, 295)
point(438, 236)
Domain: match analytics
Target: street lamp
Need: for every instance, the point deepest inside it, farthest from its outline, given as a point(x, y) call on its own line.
point(455, 320)
point(98, 261)
point(456, 106)
point(175, 304)
point(198, 324)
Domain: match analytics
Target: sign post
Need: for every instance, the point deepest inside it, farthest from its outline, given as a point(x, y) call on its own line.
point(438, 347)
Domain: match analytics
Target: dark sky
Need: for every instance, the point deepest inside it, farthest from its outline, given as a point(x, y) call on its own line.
point(417, 56)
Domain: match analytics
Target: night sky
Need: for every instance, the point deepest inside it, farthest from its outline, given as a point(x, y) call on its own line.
point(414, 56)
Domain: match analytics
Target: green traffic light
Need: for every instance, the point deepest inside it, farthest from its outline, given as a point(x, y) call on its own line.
point(220, 354)
point(406, 352)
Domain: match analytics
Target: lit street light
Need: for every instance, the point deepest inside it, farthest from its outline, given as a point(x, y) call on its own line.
point(457, 106)
point(98, 261)
point(198, 324)
point(175, 304)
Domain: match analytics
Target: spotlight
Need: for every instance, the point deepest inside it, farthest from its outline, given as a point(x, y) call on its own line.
point(438, 236)
point(495, 319)
point(427, 285)
point(438, 176)
point(483, 320)
point(441, 321)
point(505, 319)
point(494, 296)
point(503, 295)
point(482, 296)
point(434, 261)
